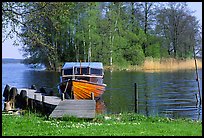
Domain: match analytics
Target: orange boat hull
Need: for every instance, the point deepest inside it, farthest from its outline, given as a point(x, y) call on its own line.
point(83, 89)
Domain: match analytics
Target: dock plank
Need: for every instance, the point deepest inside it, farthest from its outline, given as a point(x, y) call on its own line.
point(78, 108)
point(54, 100)
point(78, 114)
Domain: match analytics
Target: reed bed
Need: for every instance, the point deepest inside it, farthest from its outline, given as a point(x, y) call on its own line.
point(171, 64)
point(159, 65)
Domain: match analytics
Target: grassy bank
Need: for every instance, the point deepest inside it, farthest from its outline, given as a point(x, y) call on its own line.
point(151, 64)
point(126, 124)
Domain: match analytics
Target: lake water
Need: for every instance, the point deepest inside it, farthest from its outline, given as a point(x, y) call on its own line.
point(169, 94)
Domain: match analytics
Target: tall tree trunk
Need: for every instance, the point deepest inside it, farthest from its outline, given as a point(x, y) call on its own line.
point(110, 43)
point(132, 16)
point(76, 51)
point(54, 54)
point(146, 17)
point(89, 50)
point(113, 36)
point(84, 45)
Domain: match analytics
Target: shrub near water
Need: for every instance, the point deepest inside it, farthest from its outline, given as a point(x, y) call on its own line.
point(125, 124)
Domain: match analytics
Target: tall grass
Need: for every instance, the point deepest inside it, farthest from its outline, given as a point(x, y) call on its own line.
point(152, 64)
point(170, 64)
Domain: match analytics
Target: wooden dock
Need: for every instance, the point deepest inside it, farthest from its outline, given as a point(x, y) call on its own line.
point(55, 107)
point(78, 108)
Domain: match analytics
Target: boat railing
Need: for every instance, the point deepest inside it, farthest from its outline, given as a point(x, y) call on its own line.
point(58, 85)
point(93, 75)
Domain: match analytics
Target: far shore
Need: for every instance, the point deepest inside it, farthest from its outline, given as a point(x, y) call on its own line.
point(157, 65)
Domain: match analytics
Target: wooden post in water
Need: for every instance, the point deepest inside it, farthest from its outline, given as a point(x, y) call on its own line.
point(92, 96)
point(197, 78)
point(196, 95)
point(136, 99)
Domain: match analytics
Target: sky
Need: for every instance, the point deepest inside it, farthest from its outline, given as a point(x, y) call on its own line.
point(10, 51)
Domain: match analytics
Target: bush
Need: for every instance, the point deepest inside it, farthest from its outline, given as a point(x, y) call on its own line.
point(135, 55)
point(153, 50)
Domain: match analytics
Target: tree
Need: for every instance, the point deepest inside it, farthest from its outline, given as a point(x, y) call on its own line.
point(115, 33)
point(12, 17)
point(42, 31)
point(174, 25)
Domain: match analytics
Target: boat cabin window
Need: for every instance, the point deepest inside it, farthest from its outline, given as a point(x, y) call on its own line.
point(68, 72)
point(76, 71)
point(84, 71)
point(96, 71)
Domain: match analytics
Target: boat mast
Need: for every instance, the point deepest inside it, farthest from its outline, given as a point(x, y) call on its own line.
point(80, 68)
point(73, 73)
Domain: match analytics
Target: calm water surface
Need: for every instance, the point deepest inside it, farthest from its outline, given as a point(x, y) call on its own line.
point(170, 94)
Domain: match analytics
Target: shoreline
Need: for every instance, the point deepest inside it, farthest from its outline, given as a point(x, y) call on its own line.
point(154, 65)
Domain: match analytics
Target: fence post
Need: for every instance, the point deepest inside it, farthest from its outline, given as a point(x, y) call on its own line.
point(136, 99)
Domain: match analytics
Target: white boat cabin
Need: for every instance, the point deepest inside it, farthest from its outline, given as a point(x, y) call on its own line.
point(90, 71)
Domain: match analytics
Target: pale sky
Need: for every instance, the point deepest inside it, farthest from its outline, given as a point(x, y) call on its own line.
point(10, 51)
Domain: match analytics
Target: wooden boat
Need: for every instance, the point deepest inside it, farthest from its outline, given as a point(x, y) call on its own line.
point(79, 79)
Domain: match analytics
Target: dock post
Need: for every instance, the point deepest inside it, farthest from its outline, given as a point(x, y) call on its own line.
point(136, 99)
point(26, 100)
point(62, 96)
point(92, 96)
point(31, 103)
point(6, 92)
point(23, 99)
point(43, 106)
point(35, 102)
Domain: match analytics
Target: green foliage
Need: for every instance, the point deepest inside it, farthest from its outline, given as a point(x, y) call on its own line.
point(71, 118)
point(154, 51)
point(119, 60)
point(135, 55)
point(154, 47)
point(58, 32)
